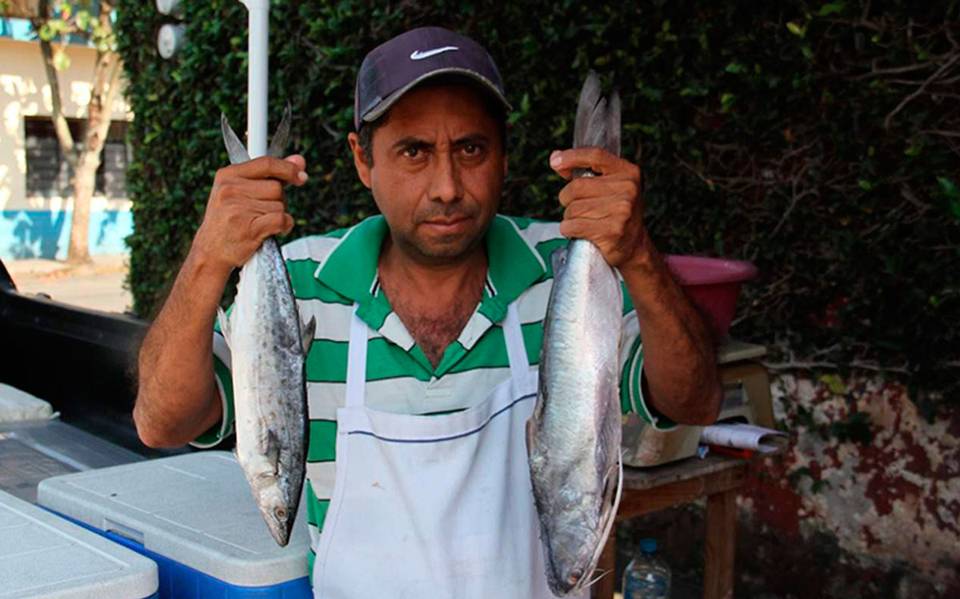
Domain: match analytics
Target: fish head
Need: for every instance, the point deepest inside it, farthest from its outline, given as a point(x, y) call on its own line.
point(571, 560)
point(277, 512)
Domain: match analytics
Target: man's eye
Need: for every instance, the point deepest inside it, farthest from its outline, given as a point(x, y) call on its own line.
point(411, 151)
point(471, 149)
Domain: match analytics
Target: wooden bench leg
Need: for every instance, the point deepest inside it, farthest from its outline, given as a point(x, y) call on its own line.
point(720, 545)
point(605, 587)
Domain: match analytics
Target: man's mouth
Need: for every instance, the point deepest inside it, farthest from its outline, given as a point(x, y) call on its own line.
point(447, 224)
point(446, 221)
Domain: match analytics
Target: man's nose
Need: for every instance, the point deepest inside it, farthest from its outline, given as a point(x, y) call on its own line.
point(446, 186)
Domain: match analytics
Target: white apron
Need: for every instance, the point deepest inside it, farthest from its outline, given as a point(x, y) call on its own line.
point(433, 507)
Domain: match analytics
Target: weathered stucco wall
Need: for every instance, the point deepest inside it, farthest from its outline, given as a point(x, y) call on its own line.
point(864, 504)
point(867, 472)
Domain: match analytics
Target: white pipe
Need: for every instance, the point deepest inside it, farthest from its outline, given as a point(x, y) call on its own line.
point(258, 56)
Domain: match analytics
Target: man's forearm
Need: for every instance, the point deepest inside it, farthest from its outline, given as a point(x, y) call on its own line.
point(679, 360)
point(177, 397)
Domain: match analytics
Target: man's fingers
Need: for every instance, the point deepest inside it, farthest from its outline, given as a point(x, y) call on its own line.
point(595, 187)
point(273, 223)
point(252, 189)
point(267, 167)
point(596, 159)
point(581, 228)
point(597, 209)
point(260, 207)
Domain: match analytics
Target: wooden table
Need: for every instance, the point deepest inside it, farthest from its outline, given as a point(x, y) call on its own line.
point(648, 490)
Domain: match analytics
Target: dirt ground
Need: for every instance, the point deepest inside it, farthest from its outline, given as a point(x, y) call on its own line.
point(99, 286)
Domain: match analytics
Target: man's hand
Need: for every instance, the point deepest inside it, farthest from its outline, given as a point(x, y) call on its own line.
point(246, 206)
point(177, 398)
point(606, 209)
point(678, 359)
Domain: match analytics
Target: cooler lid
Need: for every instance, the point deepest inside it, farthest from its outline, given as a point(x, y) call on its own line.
point(43, 555)
point(196, 509)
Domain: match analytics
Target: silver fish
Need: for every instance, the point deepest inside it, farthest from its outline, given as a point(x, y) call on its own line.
point(573, 436)
point(268, 350)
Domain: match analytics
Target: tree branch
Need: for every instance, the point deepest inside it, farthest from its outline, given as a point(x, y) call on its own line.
point(60, 126)
point(920, 90)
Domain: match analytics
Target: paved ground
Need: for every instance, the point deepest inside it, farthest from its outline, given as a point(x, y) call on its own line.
point(99, 285)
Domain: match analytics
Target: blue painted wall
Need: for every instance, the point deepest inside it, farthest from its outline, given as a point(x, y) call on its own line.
point(46, 233)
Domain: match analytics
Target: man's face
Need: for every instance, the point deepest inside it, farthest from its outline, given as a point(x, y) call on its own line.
point(438, 168)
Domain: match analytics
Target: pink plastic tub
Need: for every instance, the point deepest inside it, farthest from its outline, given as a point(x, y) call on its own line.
point(713, 285)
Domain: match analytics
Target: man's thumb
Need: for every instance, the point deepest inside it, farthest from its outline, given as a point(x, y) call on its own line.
point(297, 159)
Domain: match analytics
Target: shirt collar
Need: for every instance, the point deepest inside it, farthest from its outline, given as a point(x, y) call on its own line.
point(514, 265)
point(351, 267)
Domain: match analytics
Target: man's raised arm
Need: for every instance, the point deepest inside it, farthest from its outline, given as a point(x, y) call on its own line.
point(177, 398)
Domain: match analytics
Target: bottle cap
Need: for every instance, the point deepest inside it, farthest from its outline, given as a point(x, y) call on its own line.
point(648, 545)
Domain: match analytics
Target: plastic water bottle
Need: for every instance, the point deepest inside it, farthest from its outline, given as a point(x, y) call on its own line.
point(647, 576)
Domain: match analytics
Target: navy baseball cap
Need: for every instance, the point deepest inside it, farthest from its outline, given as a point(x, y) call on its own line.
point(396, 66)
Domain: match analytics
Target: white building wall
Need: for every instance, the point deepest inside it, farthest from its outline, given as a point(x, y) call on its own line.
point(24, 92)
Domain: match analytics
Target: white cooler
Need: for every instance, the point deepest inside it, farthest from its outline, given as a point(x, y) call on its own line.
point(195, 515)
point(43, 555)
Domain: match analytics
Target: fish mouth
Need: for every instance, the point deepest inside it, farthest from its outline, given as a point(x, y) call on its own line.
point(280, 531)
point(566, 585)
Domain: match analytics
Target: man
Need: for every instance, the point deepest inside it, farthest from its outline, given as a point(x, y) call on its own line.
point(427, 318)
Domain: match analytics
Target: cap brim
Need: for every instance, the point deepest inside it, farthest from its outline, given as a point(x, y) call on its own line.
point(385, 104)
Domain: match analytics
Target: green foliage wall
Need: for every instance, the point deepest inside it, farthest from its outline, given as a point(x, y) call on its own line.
point(819, 140)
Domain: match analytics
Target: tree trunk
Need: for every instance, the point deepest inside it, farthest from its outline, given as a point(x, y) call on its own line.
point(84, 182)
point(106, 76)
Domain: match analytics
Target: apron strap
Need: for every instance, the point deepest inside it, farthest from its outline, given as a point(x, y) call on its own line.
point(516, 350)
point(356, 361)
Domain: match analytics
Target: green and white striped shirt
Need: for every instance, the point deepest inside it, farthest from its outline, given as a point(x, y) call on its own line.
point(331, 272)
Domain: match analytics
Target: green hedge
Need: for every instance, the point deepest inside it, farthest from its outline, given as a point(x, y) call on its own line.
point(819, 140)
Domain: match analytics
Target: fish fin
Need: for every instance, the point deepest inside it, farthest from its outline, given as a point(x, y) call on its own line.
point(281, 137)
point(306, 334)
point(596, 133)
point(272, 451)
point(589, 122)
point(586, 104)
point(236, 151)
point(224, 321)
point(558, 261)
point(612, 127)
point(597, 122)
point(531, 436)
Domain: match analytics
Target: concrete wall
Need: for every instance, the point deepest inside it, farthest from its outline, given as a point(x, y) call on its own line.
point(865, 504)
point(38, 227)
point(868, 479)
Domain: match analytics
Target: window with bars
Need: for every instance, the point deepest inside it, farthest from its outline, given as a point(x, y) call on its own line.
point(49, 174)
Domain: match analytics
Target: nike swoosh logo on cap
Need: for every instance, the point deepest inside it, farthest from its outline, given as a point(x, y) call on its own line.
point(420, 55)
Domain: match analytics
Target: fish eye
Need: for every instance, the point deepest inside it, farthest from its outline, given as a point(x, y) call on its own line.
point(280, 513)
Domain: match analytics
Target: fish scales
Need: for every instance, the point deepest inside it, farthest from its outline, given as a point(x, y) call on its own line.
point(268, 349)
point(573, 436)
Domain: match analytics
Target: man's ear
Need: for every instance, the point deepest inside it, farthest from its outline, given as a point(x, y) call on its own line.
point(359, 160)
